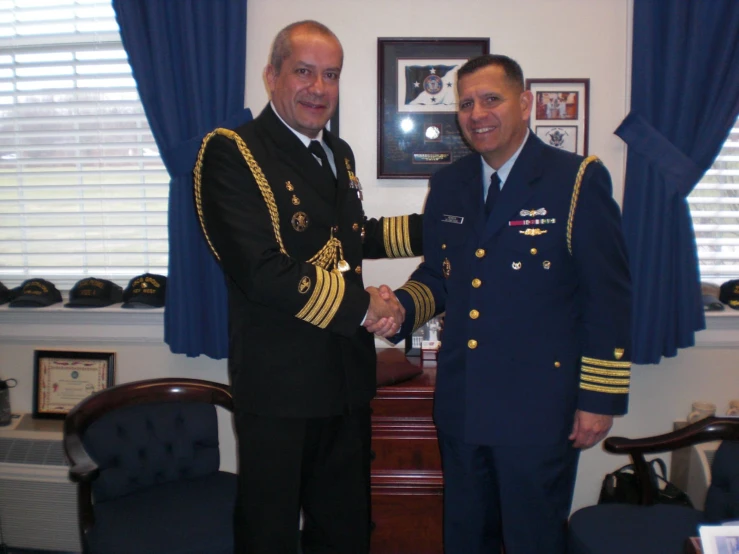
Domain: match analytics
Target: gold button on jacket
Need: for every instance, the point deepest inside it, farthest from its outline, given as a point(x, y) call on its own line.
point(476, 283)
point(480, 252)
point(474, 314)
point(472, 344)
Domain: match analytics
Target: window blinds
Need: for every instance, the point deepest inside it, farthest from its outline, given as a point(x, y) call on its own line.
point(83, 191)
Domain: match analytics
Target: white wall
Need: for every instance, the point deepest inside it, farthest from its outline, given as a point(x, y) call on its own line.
point(550, 38)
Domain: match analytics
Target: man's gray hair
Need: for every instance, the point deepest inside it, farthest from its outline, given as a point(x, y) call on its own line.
point(282, 45)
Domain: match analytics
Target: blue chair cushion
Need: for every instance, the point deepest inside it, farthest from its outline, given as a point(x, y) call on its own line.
point(151, 444)
point(182, 517)
point(631, 529)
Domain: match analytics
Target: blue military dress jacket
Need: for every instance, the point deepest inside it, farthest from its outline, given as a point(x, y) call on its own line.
point(537, 298)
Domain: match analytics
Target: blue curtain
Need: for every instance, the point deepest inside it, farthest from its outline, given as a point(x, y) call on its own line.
point(684, 101)
point(189, 61)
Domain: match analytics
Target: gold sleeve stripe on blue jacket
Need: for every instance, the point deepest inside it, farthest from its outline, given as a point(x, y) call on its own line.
point(397, 238)
point(606, 363)
point(606, 376)
point(423, 300)
point(323, 304)
point(606, 372)
point(607, 390)
point(605, 380)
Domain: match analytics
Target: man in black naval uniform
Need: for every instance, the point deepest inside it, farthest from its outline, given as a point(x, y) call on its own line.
point(280, 206)
point(523, 251)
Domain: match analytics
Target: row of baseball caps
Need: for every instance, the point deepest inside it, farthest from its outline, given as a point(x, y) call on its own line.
point(144, 291)
point(715, 296)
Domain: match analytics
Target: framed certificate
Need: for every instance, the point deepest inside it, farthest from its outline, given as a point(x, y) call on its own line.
point(417, 128)
point(62, 379)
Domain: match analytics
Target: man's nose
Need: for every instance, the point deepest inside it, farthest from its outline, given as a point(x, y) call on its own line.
point(318, 86)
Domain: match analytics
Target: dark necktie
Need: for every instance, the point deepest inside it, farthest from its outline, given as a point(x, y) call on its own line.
point(317, 150)
point(493, 193)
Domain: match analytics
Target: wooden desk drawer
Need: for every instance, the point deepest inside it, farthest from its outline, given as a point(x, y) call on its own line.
point(402, 447)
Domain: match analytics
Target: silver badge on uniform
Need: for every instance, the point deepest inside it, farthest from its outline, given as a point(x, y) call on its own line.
point(458, 219)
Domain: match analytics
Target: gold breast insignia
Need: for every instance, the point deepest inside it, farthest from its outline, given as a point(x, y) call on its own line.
point(446, 268)
point(300, 221)
point(533, 232)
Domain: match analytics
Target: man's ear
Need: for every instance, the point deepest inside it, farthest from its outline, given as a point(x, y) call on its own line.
point(270, 76)
point(527, 102)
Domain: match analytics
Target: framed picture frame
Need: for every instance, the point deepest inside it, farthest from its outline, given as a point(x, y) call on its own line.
point(417, 129)
point(560, 114)
point(719, 539)
point(61, 379)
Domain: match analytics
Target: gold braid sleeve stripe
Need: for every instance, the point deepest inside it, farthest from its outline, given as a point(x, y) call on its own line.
point(325, 300)
point(397, 237)
point(606, 372)
point(608, 390)
point(423, 300)
point(256, 171)
point(606, 363)
point(575, 194)
point(605, 380)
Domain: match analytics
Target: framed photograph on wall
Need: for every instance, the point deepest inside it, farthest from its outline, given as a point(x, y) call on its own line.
point(417, 103)
point(560, 115)
point(61, 379)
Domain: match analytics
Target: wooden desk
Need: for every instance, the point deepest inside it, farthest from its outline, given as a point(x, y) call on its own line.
point(406, 468)
point(693, 546)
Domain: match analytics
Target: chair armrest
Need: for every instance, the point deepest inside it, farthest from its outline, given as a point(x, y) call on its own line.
point(704, 430)
point(82, 468)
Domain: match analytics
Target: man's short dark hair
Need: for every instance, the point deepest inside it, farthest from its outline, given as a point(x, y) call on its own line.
point(512, 70)
point(282, 45)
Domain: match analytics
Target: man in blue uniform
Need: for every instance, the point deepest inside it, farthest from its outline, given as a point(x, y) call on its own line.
point(524, 252)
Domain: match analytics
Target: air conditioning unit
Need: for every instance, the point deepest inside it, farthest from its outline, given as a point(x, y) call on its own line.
point(690, 470)
point(38, 503)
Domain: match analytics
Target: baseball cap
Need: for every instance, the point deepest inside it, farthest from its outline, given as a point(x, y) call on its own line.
point(36, 293)
point(145, 291)
point(729, 293)
point(710, 293)
point(94, 293)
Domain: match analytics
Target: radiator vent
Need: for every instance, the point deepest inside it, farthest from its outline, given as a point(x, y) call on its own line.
point(28, 451)
point(38, 503)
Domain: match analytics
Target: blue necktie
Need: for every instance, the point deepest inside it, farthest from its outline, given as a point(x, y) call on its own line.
point(493, 193)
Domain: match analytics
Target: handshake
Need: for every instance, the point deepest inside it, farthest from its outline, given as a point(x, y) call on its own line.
point(385, 314)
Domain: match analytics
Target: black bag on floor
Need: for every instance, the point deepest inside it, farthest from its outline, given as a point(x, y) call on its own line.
point(621, 486)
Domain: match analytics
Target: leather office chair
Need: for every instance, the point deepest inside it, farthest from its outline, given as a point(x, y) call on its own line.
point(145, 456)
point(650, 528)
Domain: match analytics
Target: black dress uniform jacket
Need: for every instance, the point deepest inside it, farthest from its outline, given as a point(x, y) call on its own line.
point(282, 234)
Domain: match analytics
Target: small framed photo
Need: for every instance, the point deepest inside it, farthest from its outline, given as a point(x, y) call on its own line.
point(426, 340)
point(61, 379)
point(559, 116)
point(719, 539)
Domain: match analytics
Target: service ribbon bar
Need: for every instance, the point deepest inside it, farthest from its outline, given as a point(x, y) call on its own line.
point(519, 222)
